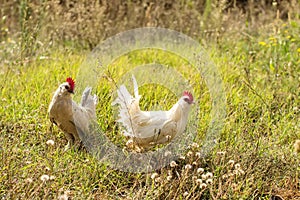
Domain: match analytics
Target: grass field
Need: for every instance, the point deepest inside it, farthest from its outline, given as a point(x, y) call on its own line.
point(254, 157)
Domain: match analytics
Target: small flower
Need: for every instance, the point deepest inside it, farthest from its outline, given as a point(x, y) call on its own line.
point(50, 142)
point(209, 175)
point(28, 180)
point(296, 108)
point(157, 180)
point(194, 178)
point(185, 194)
point(225, 176)
point(198, 154)
point(63, 197)
point(199, 181)
point(45, 177)
point(47, 168)
point(52, 177)
point(200, 170)
point(195, 163)
point(130, 144)
point(203, 186)
point(231, 162)
point(188, 167)
point(182, 157)
point(237, 166)
point(169, 178)
point(189, 154)
point(173, 164)
point(195, 145)
point(262, 43)
point(209, 181)
point(154, 175)
point(204, 177)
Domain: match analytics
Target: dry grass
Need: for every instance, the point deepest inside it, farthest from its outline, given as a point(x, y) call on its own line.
point(256, 47)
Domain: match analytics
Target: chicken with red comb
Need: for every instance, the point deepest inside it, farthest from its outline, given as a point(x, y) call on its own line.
point(148, 128)
point(70, 117)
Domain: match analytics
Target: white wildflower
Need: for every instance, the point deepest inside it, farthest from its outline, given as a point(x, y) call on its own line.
point(199, 181)
point(185, 194)
point(173, 164)
point(188, 167)
point(45, 177)
point(50, 142)
point(203, 186)
point(209, 175)
point(154, 175)
point(195, 145)
point(200, 170)
point(189, 154)
point(209, 181)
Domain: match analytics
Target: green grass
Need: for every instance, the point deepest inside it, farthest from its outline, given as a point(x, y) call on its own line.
point(261, 78)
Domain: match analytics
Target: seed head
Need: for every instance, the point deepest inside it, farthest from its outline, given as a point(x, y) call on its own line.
point(200, 170)
point(50, 142)
point(45, 177)
point(203, 186)
point(188, 167)
point(195, 145)
point(185, 194)
point(209, 175)
point(199, 181)
point(154, 175)
point(169, 178)
point(173, 164)
point(209, 181)
point(189, 154)
point(237, 166)
point(231, 162)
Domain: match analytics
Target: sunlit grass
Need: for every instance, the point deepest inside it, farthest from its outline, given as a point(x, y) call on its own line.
point(262, 89)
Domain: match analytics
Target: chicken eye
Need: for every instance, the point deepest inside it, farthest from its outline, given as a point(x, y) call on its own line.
point(67, 87)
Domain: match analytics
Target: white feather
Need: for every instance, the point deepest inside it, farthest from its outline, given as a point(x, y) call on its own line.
point(148, 128)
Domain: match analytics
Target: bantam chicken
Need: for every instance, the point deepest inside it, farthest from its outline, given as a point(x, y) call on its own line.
point(148, 128)
point(70, 117)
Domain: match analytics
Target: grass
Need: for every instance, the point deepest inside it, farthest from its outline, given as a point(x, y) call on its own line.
point(261, 77)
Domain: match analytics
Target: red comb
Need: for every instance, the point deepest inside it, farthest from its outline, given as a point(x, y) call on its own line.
point(71, 82)
point(186, 93)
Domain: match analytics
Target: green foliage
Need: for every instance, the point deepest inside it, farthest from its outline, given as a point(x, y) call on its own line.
point(253, 158)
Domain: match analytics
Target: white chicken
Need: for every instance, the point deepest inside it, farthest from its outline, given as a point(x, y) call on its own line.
point(69, 116)
point(148, 128)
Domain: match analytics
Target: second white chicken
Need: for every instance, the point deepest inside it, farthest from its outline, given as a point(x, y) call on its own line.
point(148, 128)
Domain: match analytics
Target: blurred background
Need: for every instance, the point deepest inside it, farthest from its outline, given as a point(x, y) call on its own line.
point(36, 26)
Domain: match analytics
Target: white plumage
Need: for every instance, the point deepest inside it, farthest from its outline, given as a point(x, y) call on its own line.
point(148, 128)
point(68, 115)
